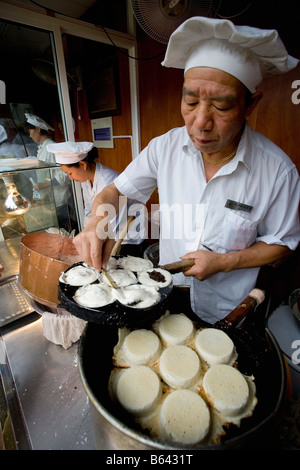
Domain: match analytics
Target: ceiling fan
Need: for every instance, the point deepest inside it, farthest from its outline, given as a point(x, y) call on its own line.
point(159, 18)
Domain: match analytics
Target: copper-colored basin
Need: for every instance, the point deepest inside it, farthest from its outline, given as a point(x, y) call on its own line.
point(43, 257)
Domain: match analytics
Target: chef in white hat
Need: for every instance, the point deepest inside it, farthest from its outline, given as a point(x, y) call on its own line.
point(41, 133)
point(78, 161)
point(228, 196)
point(59, 185)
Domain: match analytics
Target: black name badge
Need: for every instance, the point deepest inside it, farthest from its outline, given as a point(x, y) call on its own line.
point(238, 206)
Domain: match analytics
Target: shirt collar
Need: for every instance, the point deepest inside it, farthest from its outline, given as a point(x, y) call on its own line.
point(188, 147)
point(243, 153)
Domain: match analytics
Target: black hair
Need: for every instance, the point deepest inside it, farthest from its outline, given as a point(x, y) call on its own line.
point(248, 97)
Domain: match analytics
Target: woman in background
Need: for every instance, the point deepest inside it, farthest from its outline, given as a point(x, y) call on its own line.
point(77, 160)
point(42, 133)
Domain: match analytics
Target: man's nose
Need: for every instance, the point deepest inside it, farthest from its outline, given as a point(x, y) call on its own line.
point(203, 117)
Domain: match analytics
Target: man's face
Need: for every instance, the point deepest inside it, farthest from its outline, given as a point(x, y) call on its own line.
point(213, 108)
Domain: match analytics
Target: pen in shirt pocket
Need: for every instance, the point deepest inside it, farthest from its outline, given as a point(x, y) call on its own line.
point(206, 247)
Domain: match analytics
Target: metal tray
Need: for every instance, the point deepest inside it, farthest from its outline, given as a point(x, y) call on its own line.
point(14, 304)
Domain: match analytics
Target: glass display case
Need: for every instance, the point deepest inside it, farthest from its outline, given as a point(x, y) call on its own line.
point(34, 197)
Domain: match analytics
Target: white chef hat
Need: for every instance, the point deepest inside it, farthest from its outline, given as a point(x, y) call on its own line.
point(67, 153)
point(3, 134)
point(247, 53)
point(36, 121)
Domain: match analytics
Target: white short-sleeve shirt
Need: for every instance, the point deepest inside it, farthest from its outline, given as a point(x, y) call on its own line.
point(252, 198)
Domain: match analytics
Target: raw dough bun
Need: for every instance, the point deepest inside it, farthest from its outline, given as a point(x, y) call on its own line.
point(94, 295)
point(133, 263)
point(137, 296)
point(79, 275)
point(121, 277)
point(155, 277)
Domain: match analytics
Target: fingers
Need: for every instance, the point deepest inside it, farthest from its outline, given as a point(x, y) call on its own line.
point(192, 271)
point(93, 250)
point(96, 254)
point(89, 248)
point(107, 247)
point(206, 264)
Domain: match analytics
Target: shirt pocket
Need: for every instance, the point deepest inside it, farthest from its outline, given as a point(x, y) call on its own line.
point(236, 232)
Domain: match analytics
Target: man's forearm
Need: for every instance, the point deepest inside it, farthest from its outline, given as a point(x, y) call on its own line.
point(208, 263)
point(109, 195)
point(259, 254)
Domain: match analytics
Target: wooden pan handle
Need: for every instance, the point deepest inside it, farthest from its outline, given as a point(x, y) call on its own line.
point(179, 266)
point(117, 246)
point(253, 299)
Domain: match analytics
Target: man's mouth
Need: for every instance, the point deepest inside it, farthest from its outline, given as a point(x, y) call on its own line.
point(203, 142)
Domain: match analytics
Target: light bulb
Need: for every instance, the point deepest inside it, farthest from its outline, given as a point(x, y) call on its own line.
point(15, 203)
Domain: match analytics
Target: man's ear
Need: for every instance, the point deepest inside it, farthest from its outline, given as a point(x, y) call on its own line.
point(255, 98)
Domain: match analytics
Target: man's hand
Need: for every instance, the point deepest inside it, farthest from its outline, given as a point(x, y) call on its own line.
point(95, 242)
point(93, 247)
point(206, 264)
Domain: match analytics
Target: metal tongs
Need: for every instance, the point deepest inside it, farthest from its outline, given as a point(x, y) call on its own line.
point(113, 284)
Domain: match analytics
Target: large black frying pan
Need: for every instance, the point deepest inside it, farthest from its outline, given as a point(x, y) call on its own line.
point(258, 431)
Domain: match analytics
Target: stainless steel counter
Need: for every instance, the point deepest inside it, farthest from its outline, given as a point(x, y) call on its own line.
point(48, 406)
point(41, 393)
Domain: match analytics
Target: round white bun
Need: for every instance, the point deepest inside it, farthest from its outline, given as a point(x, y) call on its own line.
point(139, 390)
point(226, 389)
point(184, 418)
point(179, 366)
point(214, 346)
point(141, 347)
point(176, 329)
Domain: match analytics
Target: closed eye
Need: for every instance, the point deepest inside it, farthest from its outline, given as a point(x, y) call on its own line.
point(222, 109)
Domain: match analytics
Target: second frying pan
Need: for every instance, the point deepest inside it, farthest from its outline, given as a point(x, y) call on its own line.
point(115, 314)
